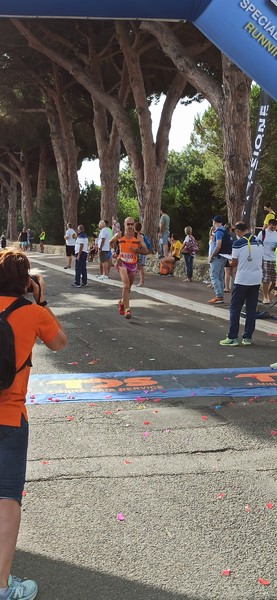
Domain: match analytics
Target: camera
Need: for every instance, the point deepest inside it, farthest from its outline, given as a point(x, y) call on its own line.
point(30, 288)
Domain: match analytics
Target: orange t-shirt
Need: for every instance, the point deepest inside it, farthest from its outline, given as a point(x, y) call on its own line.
point(125, 245)
point(28, 323)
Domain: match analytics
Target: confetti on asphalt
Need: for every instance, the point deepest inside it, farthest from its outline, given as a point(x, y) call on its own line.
point(247, 508)
point(127, 462)
point(45, 462)
point(167, 430)
point(217, 407)
point(146, 422)
point(70, 418)
point(72, 363)
point(269, 505)
point(92, 404)
point(108, 412)
point(263, 581)
point(204, 418)
point(120, 517)
point(155, 411)
point(146, 434)
point(226, 572)
point(24, 493)
point(220, 496)
point(273, 432)
point(227, 378)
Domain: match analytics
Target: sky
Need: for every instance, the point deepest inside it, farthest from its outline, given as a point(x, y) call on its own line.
point(179, 137)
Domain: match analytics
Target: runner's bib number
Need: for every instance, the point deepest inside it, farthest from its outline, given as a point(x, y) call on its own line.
point(127, 257)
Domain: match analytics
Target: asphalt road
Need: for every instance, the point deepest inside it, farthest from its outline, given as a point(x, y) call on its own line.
point(196, 488)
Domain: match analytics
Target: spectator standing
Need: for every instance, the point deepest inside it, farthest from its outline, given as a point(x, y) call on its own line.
point(81, 253)
point(30, 239)
point(268, 237)
point(142, 257)
point(23, 239)
point(222, 244)
point(229, 274)
point(164, 231)
point(270, 214)
point(28, 322)
point(115, 226)
point(247, 256)
point(3, 241)
point(187, 251)
point(70, 238)
point(41, 239)
point(104, 249)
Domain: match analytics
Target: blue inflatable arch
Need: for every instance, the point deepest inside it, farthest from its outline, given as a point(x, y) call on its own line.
point(243, 30)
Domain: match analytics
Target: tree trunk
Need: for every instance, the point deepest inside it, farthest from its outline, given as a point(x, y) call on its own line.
point(12, 212)
point(236, 135)
point(65, 151)
point(26, 191)
point(42, 175)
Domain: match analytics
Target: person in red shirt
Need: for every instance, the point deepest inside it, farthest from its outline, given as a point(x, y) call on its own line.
point(27, 322)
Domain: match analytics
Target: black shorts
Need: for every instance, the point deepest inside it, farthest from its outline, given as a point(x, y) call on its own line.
point(70, 250)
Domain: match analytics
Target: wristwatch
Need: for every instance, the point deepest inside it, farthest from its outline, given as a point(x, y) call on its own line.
point(44, 303)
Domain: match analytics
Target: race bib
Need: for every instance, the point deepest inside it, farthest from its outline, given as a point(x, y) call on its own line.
point(127, 257)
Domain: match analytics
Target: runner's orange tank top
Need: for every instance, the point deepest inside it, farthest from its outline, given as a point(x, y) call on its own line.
point(125, 245)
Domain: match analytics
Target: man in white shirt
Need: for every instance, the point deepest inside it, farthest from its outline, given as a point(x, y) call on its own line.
point(104, 249)
point(268, 237)
point(81, 253)
point(70, 237)
point(247, 256)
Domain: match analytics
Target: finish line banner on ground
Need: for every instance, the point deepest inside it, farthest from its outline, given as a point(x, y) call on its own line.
point(243, 30)
point(150, 385)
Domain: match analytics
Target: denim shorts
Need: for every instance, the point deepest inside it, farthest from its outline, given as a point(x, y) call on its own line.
point(164, 238)
point(13, 459)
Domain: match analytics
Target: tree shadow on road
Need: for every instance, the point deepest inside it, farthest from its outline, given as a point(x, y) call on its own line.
point(58, 580)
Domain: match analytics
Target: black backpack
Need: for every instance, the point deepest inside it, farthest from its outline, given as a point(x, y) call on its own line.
point(7, 350)
point(227, 243)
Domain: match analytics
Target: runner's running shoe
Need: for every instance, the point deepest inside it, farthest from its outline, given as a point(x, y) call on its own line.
point(128, 313)
point(120, 307)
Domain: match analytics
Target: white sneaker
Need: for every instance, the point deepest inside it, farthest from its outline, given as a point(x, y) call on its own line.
point(103, 277)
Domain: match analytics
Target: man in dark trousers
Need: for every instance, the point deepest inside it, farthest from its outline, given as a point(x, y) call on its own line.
point(247, 256)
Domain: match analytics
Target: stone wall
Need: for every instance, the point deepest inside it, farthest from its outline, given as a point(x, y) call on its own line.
point(201, 270)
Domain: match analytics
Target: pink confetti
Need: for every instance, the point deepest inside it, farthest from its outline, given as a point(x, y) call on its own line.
point(70, 418)
point(92, 404)
point(45, 462)
point(273, 432)
point(263, 581)
point(167, 430)
point(226, 572)
point(24, 493)
point(272, 334)
point(269, 505)
point(204, 418)
point(146, 422)
point(120, 517)
point(220, 496)
point(72, 363)
point(32, 397)
point(108, 412)
point(127, 462)
point(146, 434)
point(155, 411)
point(247, 508)
point(226, 377)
